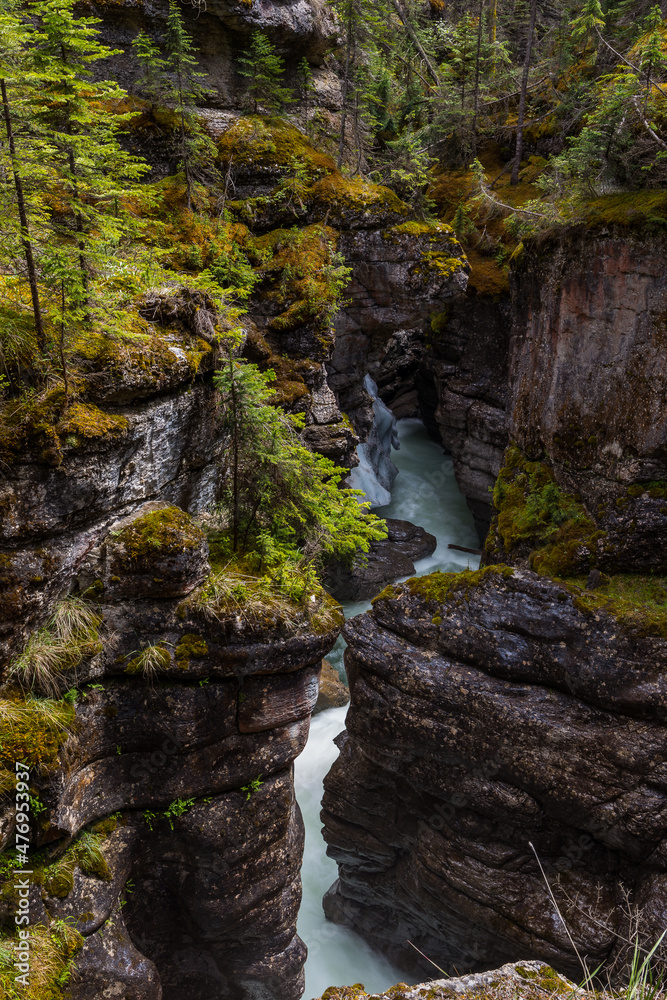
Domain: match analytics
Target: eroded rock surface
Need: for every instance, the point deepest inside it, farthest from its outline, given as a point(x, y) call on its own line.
point(489, 712)
point(172, 835)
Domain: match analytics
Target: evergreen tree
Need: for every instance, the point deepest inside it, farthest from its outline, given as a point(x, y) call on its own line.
point(195, 147)
point(584, 27)
point(15, 36)
point(263, 69)
point(283, 500)
point(153, 80)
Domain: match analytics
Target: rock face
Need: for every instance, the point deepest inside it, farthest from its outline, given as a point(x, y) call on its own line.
point(178, 765)
point(401, 275)
point(462, 387)
point(387, 560)
point(491, 711)
point(589, 383)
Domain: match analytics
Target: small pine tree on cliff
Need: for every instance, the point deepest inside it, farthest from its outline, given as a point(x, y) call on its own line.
point(263, 69)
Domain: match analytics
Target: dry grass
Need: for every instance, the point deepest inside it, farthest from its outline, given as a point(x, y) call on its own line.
point(70, 634)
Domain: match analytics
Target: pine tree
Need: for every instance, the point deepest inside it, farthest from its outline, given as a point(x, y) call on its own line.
point(187, 90)
point(16, 33)
point(585, 26)
point(522, 99)
point(264, 70)
point(283, 500)
point(153, 80)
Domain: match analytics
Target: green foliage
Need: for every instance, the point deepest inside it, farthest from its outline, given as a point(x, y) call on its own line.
point(177, 808)
point(281, 500)
point(195, 147)
point(69, 635)
point(534, 513)
point(253, 786)
point(152, 78)
point(263, 69)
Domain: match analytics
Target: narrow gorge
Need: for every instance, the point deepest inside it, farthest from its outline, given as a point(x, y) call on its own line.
point(333, 476)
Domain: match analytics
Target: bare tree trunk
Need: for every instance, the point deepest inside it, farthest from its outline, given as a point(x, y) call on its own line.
point(522, 100)
point(417, 44)
point(23, 219)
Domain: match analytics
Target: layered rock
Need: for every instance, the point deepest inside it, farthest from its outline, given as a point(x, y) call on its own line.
point(588, 383)
point(401, 275)
point(387, 560)
point(173, 839)
point(492, 713)
point(523, 979)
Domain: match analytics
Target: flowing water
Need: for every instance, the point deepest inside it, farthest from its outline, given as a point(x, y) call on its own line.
point(425, 492)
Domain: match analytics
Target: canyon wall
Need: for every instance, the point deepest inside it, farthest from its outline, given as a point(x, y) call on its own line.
point(503, 709)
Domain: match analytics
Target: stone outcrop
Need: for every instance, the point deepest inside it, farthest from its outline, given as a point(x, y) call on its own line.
point(523, 980)
point(401, 274)
point(490, 712)
point(334, 692)
point(388, 560)
point(588, 383)
point(462, 386)
point(173, 839)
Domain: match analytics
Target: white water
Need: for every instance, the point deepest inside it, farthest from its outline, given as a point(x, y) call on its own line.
point(425, 492)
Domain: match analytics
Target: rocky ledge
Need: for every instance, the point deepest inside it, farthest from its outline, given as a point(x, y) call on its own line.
point(498, 717)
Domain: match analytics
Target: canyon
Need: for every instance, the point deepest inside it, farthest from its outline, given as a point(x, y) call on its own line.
point(506, 735)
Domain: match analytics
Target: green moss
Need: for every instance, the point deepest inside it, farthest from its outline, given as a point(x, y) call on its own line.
point(167, 532)
point(355, 194)
point(533, 511)
point(639, 209)
point(270, 143)
point(160, 659)
point(637, 602)
point(191, 646)
point(440, 587)
point(33, 731)
point(87, 421)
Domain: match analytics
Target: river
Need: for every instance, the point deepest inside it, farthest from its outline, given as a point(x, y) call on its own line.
point(425, 492)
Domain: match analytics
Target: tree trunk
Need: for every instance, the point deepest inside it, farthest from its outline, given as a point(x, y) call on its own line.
point(235, 449)
point(522, 99)
point(346, 80)
point(23, 218)
point(479, 48)
point(417, 44)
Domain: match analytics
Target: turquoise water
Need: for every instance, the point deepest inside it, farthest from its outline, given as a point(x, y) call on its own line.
point(425, 492)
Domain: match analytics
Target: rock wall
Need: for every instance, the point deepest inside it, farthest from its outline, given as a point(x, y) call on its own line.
point(588, 383)
point(180, 770)
point(491, 711)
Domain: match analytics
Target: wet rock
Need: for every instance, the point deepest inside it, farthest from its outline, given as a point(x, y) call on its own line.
point(491, 711)
point(334, 693)
point(387, 560)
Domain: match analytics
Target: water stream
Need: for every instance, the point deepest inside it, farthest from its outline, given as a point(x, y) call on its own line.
point(425, 492)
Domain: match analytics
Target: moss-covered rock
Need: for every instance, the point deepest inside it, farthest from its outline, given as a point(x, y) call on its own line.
point(159, 551)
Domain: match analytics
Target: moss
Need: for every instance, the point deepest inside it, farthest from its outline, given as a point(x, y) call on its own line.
point(345, 193)
point(639, 209)
point(487, 276)
point(440, 587)
point(191, 646)
point(637, 602)
point(533, 511)
point(33, 731)
point(270, 143)
point(87, 421)
point(167, 532)
point(433, 230)
point(137, 665)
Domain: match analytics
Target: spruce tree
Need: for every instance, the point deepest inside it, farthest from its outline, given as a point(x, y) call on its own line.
point(153, 81)
point(186, 92)
point(263, 68)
